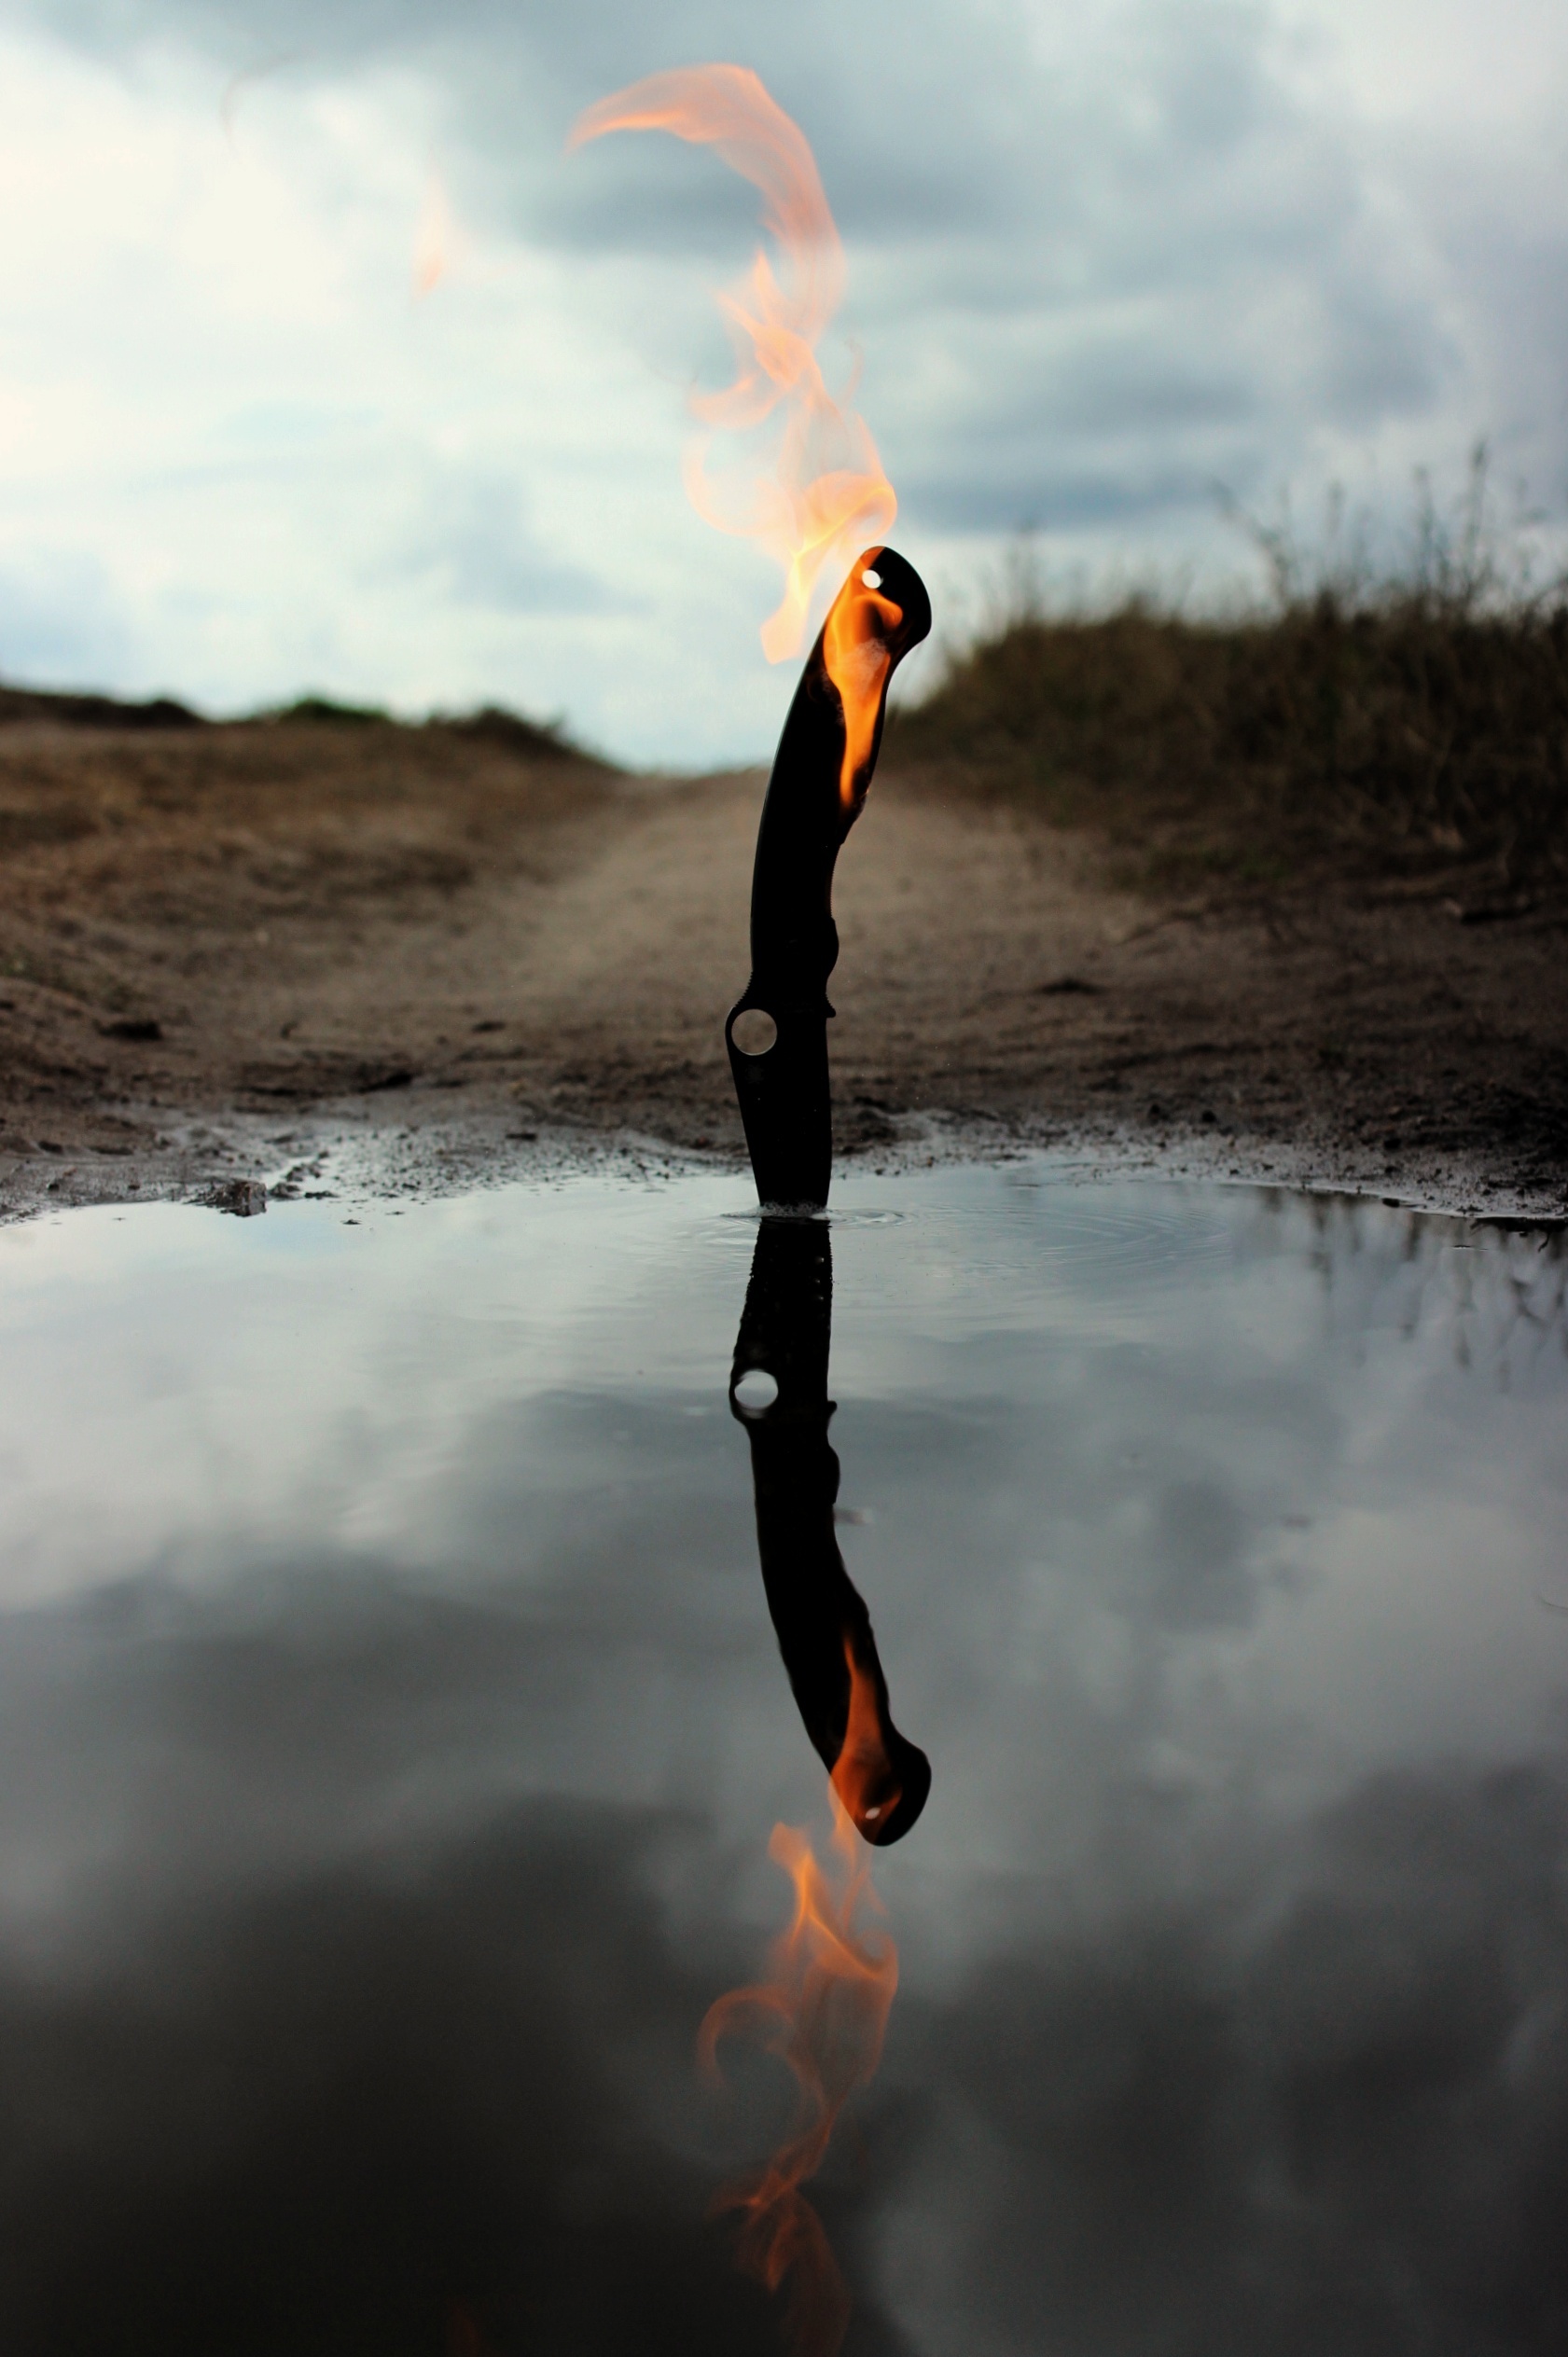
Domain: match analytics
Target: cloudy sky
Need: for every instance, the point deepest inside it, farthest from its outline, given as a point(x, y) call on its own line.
point(1101, 263)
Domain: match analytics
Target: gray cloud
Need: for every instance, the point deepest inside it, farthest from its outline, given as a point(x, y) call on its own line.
point(1098, 264)
point(475, 546)
point(62, 621)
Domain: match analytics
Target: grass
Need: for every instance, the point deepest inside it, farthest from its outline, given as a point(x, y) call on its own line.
point(531, 740)
point(88, 711)
point(317, 709)
point(491, 724)
point(1408, 725)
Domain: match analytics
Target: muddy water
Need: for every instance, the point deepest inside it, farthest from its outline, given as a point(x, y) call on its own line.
point(393, 1724)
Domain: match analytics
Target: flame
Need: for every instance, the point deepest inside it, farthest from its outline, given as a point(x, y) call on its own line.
point(435, 237)
point(828, 490)
point(863, 1775)
point(857, 661)
point(824, 2012)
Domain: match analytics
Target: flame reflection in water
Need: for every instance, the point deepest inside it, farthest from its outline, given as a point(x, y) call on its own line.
point(822, 2010)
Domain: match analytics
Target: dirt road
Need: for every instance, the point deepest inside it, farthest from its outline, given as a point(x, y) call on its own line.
point(216, 941)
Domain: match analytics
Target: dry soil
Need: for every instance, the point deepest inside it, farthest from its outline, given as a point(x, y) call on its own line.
point(227, 951)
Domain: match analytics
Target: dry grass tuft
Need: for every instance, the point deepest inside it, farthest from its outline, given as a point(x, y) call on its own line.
point(1410, 726)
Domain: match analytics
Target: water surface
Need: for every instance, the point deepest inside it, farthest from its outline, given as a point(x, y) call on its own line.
point(393, 1725)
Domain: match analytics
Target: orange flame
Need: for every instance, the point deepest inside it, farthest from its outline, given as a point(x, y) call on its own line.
point(824, 2013)
point(828, 490)
point(435, 237)
point(862, 1773)
point(857, 661)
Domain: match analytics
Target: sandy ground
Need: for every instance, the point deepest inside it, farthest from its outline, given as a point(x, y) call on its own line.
point(281, 953)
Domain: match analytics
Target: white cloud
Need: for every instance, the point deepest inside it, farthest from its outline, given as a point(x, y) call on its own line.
point(1096, 267)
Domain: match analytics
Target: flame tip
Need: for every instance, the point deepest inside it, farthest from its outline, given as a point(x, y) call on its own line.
point(808, 512)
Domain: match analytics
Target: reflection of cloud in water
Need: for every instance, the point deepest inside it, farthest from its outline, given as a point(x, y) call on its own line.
point(1324, 2108)
point(382, 1791)
point(1323, 2105)
point(1204, 1581)
point(313, 2117)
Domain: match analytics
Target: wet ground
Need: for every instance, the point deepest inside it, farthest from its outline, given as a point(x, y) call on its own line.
point(394, 1722)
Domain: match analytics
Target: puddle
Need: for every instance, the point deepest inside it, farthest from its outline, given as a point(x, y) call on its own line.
point(394, 1726)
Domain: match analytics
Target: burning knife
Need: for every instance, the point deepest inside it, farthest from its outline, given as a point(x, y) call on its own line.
point(777, 1030)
